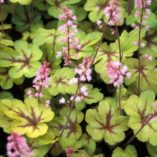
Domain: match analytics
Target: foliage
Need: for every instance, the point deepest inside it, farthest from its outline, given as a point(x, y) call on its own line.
point(59, 61)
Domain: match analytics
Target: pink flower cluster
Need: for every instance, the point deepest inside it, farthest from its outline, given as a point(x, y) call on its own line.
point(116, 73)
point(69, 30)
point(41, 80)
point(1, 1)
point(112, 12)
point(17, 146)
point(142, 8)
point(81, 95)
point(84, 69)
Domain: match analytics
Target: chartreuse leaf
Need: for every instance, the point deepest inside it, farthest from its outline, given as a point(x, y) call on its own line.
point(95, 7)
point(106, 122)
point(87, 41)
point(152, 150)
point(90, 145)
point(23, 2)
point(94, 95)
point(148, 75)
point(38, 150)
point(130, 151)
point(7, 82)
point(28, 118)
point(83, 153)
point(24, 60)
point(42, 36)
point(72, 131)
point(60, 82)
point(5, 41)
point(130, 39)
point(142, 113)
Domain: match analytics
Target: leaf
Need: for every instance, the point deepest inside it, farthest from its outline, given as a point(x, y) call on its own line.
point(60, 82)
point(130, 39)
point(23, 2)
point(94, 95)
point(28, 118)
point(7, 82)
point(148, 75)
point(139, 110)
point(106, 122)
point(110, 52)
point(42, 36)
point(72, 131)
point(26, 18)
point(87, 41)
point(24, 60)
point(130, 151)
point(95, 7)
point(55, 8)
point(152, 150)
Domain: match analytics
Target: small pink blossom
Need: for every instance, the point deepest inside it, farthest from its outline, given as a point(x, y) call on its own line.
point(148, 57)
point(112, 12)
point(116, 72)
point(84, 70)
point(41, 81)
point(145, 6)
point(62, 101)
point(81, 94)
point(69, 31)
point(17, 146)
point(1, 1)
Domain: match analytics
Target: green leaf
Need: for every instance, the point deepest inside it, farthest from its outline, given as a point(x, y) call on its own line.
point(28, 118)
point(55, 8)
point(7, 82)
point(152, 150)
point(23, 2)
point(139, 110)
point(60, 82)
point(106, 122)
point(94, 95)
point(96, 9)
point(130, 151)
point(72, 131)
point(148, 75)
point(42, 36)
point(24, 60)
point(26, 18)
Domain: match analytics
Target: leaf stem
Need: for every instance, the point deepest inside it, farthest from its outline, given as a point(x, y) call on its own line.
point(134, 136)
point(72, 103)
point(139, 50)
point(120, 60)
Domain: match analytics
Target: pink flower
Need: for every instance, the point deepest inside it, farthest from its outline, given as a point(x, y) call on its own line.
point(116, 72)
point(112, 12)
point(17, 146)
point(41, 81)
point(145, 6)
point(69, 30)
point(81, 95)
point(1, 1)
point(84, 69)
